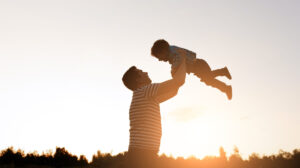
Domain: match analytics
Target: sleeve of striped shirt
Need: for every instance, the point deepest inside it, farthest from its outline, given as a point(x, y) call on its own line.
point(150, 91)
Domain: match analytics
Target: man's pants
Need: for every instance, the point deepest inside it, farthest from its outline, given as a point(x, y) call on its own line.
point(141, 158)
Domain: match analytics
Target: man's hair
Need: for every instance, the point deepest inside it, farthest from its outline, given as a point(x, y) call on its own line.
point(159, 46)
point(129, 78)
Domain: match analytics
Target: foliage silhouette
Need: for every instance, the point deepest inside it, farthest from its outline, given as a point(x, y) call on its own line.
point(62, 158)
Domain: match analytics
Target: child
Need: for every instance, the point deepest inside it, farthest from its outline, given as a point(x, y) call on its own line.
point(173, 54)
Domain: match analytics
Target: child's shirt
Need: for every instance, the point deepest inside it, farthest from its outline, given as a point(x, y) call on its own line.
point(175, 56)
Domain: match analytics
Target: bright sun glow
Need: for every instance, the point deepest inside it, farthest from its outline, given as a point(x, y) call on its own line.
point(199, 137)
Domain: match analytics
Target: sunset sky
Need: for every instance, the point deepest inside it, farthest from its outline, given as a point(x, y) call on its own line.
point(61, 64)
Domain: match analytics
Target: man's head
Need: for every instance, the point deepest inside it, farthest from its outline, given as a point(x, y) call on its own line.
point(135, 78)
point(160, 50)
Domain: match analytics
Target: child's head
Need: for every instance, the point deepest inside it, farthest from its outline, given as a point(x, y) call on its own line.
point(160, 50)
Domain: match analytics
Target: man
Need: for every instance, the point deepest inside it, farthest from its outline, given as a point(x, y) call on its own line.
point(144, 115)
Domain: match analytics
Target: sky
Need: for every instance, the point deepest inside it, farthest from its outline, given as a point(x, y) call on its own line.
point(61, 64)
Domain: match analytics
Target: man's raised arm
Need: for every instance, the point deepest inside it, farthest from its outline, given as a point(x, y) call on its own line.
point(170, 87)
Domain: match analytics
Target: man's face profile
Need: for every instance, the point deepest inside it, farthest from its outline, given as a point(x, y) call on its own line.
point(143, 77)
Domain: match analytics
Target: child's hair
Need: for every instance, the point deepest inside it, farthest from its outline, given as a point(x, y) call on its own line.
point(129, 78)
point(159, 46)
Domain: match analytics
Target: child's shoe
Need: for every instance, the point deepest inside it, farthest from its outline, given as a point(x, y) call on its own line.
point(229, 92)
point(227, 73)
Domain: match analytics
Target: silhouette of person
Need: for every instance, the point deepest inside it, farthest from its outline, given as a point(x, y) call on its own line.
point(144, 113)
point(199, 67)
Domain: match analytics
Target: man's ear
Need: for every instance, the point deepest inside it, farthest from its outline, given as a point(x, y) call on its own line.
point(138, 81)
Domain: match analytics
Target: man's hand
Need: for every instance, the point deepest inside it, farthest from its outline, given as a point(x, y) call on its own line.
point(172, 85)
point(175, 68)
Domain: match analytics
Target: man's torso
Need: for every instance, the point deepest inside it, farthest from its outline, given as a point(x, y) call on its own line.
point(145, 119)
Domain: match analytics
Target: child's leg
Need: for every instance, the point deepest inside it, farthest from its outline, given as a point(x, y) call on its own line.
point(221, 72)
point(202, 70)
point(216, 84)
point(219, 85)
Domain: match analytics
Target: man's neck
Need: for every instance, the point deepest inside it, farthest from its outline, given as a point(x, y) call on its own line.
point(143, 84)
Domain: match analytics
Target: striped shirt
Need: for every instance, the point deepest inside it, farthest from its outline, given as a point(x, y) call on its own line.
point(145, 119)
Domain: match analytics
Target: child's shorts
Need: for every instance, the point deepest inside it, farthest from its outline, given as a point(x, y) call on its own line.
point(201, 69)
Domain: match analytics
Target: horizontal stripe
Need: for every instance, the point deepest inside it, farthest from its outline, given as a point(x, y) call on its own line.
point(146, 128)
point(145, 122)
point(149, 115)
point(144, 104)
point(145, 134)
point(145, 140)
point(142, 146)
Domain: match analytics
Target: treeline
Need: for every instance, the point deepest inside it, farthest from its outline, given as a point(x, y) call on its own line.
point(61, 158)
point(10, 158)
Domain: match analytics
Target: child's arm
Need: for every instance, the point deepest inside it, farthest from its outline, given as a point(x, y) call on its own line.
point(179, 56)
